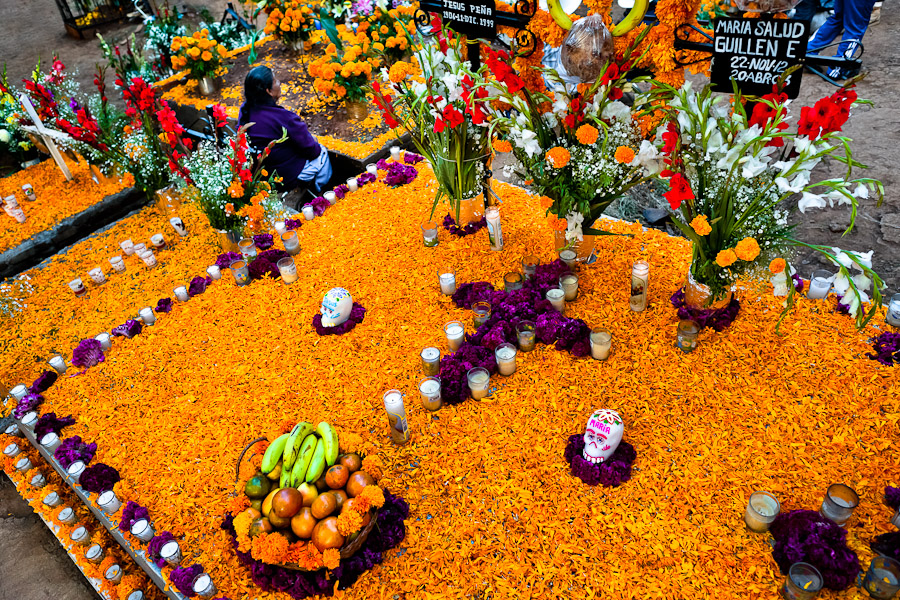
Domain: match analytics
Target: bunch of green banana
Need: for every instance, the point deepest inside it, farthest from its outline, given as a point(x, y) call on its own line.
point(303, 454)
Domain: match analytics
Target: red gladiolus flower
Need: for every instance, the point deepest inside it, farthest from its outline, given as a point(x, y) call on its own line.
point(670, 138)
point(679, 191)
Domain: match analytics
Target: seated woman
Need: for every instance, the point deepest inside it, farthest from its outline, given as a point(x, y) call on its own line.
point(300, 158)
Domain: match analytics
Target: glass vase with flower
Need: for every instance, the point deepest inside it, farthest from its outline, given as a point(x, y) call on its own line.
point(346, 68)
point(202, 57)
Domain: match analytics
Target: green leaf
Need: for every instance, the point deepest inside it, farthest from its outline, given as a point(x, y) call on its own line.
point(330, 29)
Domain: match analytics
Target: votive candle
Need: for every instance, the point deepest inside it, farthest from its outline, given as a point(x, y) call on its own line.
point(291, 243)
point(171, 553)
point(640, 282)
point(762, 508)
point(395, 152)
point(396, 412)
point(108, 502)
point(429, 234)
point(455, 333)
point(203, 586)
point(138, 248)
point(568, 282)
point(529, 265)
point(372, 169)
point(214, 271)
point(178, 225)
point(482, 312)
point(803, 582)
point(149, 258)
point(505, 354)
point(19, 391)
point(526, 335)
point(601, 343)
point(241, 272)
point(892, 317)
point(447, 281)
point(97, 275)
point(114, 574)
point(882, 579)
point(29, 192)
point(569, 257)
point(280, 227)
point(557, 298)
point(117, 263)
point(839, 502)
point(38, 480)
point(75, 470)
point(29, 420)
point(142, 530)
point(127, 247)
point(67, 516)
point(12, 450)
point(819, 284)
point(430, 390)
point(58, 363)
point(135, 595)
point(686, 336)
point(52, 500)
point(147, 316)
point(512, 281)
point(331, 197)
point(352, 184)
point(81, 536)
point(288, 269)
point(105, 340)
point(479, 381)
point(77, 286)
point(247, 248)
point(158, 241)
point(94, 554)
point(13, 431)
point(431, 361)
point(51, 442)
point(181, 293)
point(308, 212)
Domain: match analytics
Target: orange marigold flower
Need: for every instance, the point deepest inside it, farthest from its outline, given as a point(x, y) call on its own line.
point(546, 202)
point(350, 442)
point(270, 548)
point(587, 134)
point(557, 223)
point(624, 155)
point(331, 558)
point(777, 265)
point(235, 190)
point(726, 258)
point(747, 249)
point(242, 531)
point(558, 157)
point(373, 466)
point(374, 494)
point(238, 503)
point(229, 209)
point(128, 584)
point(501, 145)
point(701, 225)
point(349, 521)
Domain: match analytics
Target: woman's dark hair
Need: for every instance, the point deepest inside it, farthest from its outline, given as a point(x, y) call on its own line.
point(257, 85)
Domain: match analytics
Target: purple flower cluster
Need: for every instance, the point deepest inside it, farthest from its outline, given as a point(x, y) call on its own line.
point(798, 283)
point(320, 205)
point(129, 328)
point(263, 241)
point(892, 497)
point(292, 224)
point(388, 533)
point(88, 353)
point(357, 314)
point(887, 544)
point(399, 174)
point(411, 158)
point(451, 226)
point(164, 305)
point(365, 179)
point(455, 367)
point(198, 285)
point(266, 264)
point(224, 260)
point(44, 381)
point(807, 536)
point(612, 473)
point(131, 514)
point(48, 422)
point(99, 478)
point(341, 191)
point(28, 403)
point(717, 318)
point(153, 548)
point(74, 449)
point(887, 348)
point(183, 578)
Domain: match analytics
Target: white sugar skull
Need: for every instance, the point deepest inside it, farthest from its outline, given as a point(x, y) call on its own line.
point(336, 306)
point(602, 435)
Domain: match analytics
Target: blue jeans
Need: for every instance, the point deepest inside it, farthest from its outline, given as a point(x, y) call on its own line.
point(317, 171)
point(851, 17)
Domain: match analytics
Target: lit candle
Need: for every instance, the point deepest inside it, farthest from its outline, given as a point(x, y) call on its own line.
point(447, 280)
point(38, 480)
point(203, 586)
point(429, 234)
point(29, 420)
point(372, 169)
point(51, 442)
point(114, 574)
point(75, 470)
point(105, 340)
point(117, 263)
point(59, 364)
point(601, 342)
point(495, 231)
point(396, 412)
point(762, 508)
point(569, 284)
point(149, 258)
point(147, 316)
point(94, 554)
point(395, 152)
point(308, 213)
point(241, 272)
point(819, 285)
point(640, 281)
point(352, 184)
point(529, 265)
point(67, 516)
point(569, 257)
point(686, 336)
point(81, 536)
point(803, 582)
point(455, 333)
point(893, 311)
point(291, 243)
point(77, 287)
point(280, 227)
point(482, 312)
point(171, 553)
point(247, 248)
point(430, 390)
point(52, 500)
point(29, 192)
point(97, 275)
point(431, 361)
point(178, 226)
point(19, 391)
point(557, 298)
point(839, 502)
point(512, 281)
point(526, 335)
point(479, 380)
point(288, 270)
point(158, 241)
point(142, 530)
point(506, 359)
point(108, 502)
point(331, 197)
point(12, 450)
point(181, 293)
point(214, 271)
point(882, 579)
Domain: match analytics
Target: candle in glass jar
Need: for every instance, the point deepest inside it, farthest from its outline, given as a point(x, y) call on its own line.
point(81, 536)
point(75, 470)
point(892, 317)
point(241, 272)
point(51, 442)
point(142, 530)
point(178, 225)
point(12, 450)
point(640, 281)
point(430, 390)
point(482, 312)
point(108, 502)
point(526, 335)
point(114, 574)
point(77, 287)
point(882, 579)
point(331, 197)
point(505, 354)
point(601, 343)
point(135, 595)
point(13, 431)
point(396, 412)
point(105, 340)
point(247, 248)
point(97, 275)
point(568, 282)
point(372, 169)
point(512, 281)
point(529, 265)
point(59, 364)
point(29, 192)
point(352, 184)
point(29, 420)
point(147, 316)
point(127, 247)
point(429, 234)
point(52, 500)
point(38, 480)
point(395, 152)
point(686, 336)
point(455, 333)
point(280, 227)
point(117, 263)
point(569, 257)
point(67, 516)
point(495, 230)
point(308, 212)
point(431, 361)
point(479, 381)
point(181, 293)
point(820, 284)
point(158, 241)
point(291, 243)
point(18, 214)
point(447, 280)
point(214, 271)
point(762, 508)
point(803, 582)
point(288, 270)
point(138, 248)
point(557, 298)
point(149, 258)
point(94, 554)
point(171, 553)
point(839, 502)
point(203, 586)
point(19, 391)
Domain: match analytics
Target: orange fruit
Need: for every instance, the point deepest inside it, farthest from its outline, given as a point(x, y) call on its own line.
point(324, 505)
point(260, 526)
point(303, 523)
point(336, 477)
point(357, 482)
point(287, 503)
point(278, 522)
point(341, 497)
point(352, 461)
point(326, 535)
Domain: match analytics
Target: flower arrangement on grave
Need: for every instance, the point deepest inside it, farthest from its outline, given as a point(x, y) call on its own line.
point(345, 70)
point(199, 54)
point(235, 191)
point(291, 23)
point(447, 110)
point(582, 149)
point(390, 30)
point(12, 138)
point(730, 173)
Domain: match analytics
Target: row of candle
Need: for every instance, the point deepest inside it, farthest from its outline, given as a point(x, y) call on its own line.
point(11, 204)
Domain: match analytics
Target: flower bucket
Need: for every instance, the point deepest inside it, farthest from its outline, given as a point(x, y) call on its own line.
point(228, 240)
point(471, 210)
point(168, 200)
point(697, 294)
point(207, 86)
point(357, 111)
point(583, 249)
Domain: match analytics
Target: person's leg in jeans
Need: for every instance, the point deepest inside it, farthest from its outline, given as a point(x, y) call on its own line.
point(856, 21)
point(830, 30)
point(324, 174)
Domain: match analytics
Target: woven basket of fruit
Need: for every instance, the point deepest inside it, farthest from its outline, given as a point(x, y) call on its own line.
point(307, 499)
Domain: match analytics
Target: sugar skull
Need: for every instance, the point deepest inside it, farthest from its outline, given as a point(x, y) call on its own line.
point(602, 435)
point(336, 306)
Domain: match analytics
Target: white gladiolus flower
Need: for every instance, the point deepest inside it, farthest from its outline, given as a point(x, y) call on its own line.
point(861, 191)
point(753, 167)
point(617, 111)
point(861, 281)
point(811, 201)
point(573, 226)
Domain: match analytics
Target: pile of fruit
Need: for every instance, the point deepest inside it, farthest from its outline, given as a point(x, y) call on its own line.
point(309, 494)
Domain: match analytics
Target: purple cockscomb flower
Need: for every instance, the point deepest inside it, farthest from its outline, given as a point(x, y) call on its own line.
point(198, 285)
point(615, 471)
point(224, 260)
point(129, 328)
point(263, 241)
point(44, 381)
point(99, 478)
point(50, 423)
point(88, 353)
point(164, 305)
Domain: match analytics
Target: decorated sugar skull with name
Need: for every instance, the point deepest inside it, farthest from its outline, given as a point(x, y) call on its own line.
point(336, 306)
point(602, 435)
